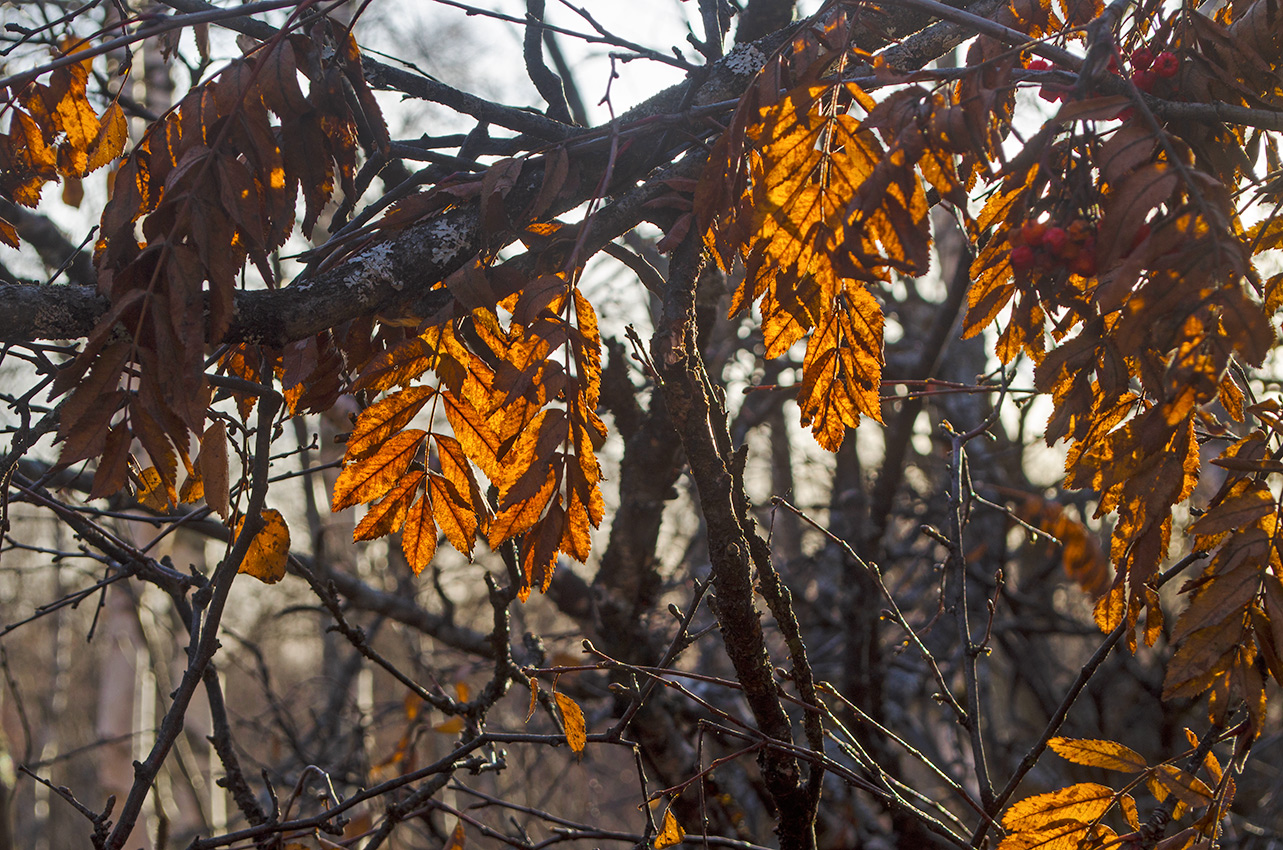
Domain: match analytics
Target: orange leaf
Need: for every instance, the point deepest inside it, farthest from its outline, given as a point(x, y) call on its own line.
point(453, 513)
point(572, 718)
point(371, 477)
point(1081, 803)
point(151, 490)
point(269, 551)
point(380, 421)
point(388, 515)
point(419, 540)
point(456, 838)
point(109, 143)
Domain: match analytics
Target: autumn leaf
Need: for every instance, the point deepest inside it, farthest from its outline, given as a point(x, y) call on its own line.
point(151, 490)
point(269, 551)
point(371, 477)
point(1096, 753)
point(670, 834)
point(456, 840)
point(1190, 790)
point(419, 539)
point(212, 463)
point(572, 718)
point(1057, 818)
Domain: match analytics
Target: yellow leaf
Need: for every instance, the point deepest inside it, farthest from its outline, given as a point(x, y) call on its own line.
point(212, 463)
point(1097, 753)
point(572, 717)
point(671, 833)
point(270, 549)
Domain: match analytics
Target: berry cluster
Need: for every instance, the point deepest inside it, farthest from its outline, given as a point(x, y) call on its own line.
point(1037, 245)
point(1147, 69)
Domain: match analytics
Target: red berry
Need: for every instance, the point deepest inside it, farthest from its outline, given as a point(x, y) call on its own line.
point(1166, 64)
point(1142, 58)
point(1039, 65)
point(1144, 80)
point(1031, 233)
point(1022, 257)
point(1055, 240)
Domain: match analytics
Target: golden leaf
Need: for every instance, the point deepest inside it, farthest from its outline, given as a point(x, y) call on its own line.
point(1098, 753)
point(109, 143)
point(1084, 802)
point(269, 551)
point(842, 371)
point(453, 513)
point(572, 718)
point(670, 834)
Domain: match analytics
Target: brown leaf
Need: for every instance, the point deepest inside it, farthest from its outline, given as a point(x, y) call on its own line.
point(212, 462)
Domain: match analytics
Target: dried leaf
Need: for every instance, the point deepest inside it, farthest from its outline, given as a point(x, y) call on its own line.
point(670, 834)
point(270, 549)
point(212, 462)
point(572, 718)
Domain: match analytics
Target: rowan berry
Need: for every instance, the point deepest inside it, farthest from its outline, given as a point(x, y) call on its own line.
point(1145, 79)
point(1031, 233)
point(1039, 65)
point(1166, 64)
point(1055, 240)
point(1022, 257)
point(1142, 58)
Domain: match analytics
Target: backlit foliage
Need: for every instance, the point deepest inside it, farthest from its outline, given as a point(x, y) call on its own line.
point(1114, 251)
